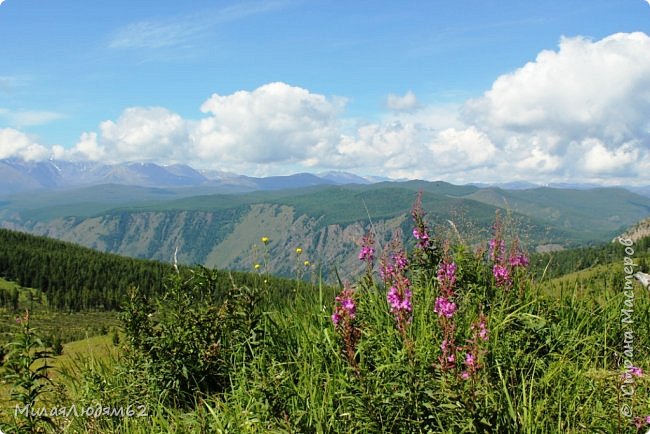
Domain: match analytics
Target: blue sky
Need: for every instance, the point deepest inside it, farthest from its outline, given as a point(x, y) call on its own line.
point(461, 91)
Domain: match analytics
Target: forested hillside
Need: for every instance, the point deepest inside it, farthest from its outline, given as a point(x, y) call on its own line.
point(76, 278)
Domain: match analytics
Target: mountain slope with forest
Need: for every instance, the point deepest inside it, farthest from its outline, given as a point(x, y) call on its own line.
point(220, 230)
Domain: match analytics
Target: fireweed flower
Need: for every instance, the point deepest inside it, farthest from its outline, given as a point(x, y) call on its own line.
point(399, 302)
point(501, 275)
point(420, 231)
point(343, 318)
point(447, 277)
point(366, 253)
point(386, 272)
point(475, 348)
point(482, 331)
point(422, 235)
point(496, 249)
point(345, 308)
point(471, 366)
point(519, 260)
point(470, 362)
point(400, 261)
point(444, 307)
point(393, 271)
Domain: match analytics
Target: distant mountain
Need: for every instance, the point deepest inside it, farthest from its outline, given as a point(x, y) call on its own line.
point(346, 178)
point(514, 185)
point(18, 176)
point(642, 190)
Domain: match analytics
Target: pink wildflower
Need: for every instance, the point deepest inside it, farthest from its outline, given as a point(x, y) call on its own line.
point(496, 250)
point(519, 261)
point(635, 371)
point(399, 302)
point(447, 276)
point(444, 307)
point(400, 260)
point(367, 253)
point(345, 308)
point(482, 331)
point(470, 362)
point(501, 275)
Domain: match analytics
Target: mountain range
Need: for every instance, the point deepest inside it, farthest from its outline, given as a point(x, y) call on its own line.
point(20, 176)
point(218, 218)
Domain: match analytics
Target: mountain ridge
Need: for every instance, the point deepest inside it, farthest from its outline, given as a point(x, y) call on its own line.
point(17, 175)
point(22, 176)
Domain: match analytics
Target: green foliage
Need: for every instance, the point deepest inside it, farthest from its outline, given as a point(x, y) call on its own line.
point(26, 369)
point(115, 338)
point(54, 268)
point(188, 339)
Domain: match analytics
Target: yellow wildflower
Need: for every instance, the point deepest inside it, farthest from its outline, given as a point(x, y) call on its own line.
point(298, 250)
point(265, 240)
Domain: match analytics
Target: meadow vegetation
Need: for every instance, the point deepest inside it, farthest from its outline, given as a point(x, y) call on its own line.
point(434, 337)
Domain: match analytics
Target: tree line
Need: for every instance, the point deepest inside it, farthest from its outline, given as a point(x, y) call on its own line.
point(571, 260)
point(76, 278)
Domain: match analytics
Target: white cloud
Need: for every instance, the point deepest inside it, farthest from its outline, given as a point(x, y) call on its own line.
point(145, 134)
point(275, 123)
point(86, 148)
point(402, 103)
point(14, 143)
point(576, 112)
point(620, 161)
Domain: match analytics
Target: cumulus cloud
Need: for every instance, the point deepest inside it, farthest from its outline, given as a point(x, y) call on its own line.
point(14, 143)
point(86, 149)
point(571, 108)
point(143, 134)
point(402, 103)
point(272, 124)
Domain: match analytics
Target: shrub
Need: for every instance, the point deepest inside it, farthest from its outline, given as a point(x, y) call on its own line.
point(187, 339)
